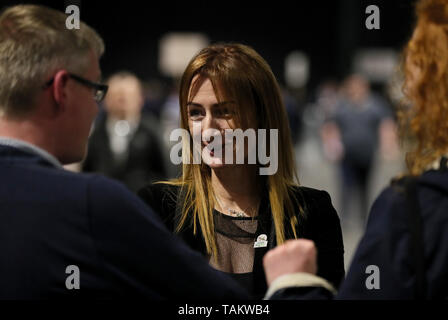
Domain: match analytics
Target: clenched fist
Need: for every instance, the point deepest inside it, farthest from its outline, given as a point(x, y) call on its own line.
point(291, 257)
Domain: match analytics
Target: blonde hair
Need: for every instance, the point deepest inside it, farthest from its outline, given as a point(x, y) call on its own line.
point(423, 120)
point(34, 43)
point(238, 73)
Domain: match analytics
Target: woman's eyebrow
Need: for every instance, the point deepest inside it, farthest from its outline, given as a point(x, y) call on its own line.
point(194, 104)
point(219, 104)
point(222, 103)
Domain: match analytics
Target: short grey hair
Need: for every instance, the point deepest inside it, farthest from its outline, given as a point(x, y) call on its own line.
point(34, 43)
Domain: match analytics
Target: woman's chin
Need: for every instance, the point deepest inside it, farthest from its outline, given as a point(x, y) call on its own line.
point(216, 166)
point(214, 163)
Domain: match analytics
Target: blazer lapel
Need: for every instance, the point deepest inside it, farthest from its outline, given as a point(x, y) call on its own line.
point(264, 228)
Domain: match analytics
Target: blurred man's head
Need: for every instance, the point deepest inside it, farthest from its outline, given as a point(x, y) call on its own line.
point(357, 89)
point(125, 96)
point(43, 97)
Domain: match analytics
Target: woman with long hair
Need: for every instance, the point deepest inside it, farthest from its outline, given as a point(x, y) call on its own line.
point(234, 212)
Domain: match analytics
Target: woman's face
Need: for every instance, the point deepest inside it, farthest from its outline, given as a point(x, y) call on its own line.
point(209, 118)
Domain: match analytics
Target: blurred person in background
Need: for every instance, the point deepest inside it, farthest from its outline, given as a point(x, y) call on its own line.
point(154, 93)
point(404, 251)
point(327, 97)
point(126, 144)
point(294, 111)
point(326, 101)
point(360, 125)
point(169, 121)
point(230, 212)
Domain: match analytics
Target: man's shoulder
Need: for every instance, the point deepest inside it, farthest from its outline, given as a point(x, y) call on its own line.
point(96, 190)
point(83, 184)
point(40, 176)
point(102, 186)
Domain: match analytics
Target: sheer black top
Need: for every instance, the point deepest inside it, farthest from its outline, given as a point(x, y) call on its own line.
point(236, 237)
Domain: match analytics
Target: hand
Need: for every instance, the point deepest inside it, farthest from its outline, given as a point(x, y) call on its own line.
point(291, 257)
point(389, 142)
point(332, 145)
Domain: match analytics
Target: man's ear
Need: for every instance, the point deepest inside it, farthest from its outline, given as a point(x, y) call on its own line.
point(60, 93)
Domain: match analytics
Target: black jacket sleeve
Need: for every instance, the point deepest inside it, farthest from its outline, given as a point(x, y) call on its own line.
point(324, 228)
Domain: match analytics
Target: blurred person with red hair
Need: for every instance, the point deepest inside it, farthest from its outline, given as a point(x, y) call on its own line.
point(404, 251)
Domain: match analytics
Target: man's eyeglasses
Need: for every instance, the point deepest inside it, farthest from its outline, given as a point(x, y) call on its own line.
point(100, 89)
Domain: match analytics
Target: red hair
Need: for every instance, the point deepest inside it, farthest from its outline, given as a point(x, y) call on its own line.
point(425, 64)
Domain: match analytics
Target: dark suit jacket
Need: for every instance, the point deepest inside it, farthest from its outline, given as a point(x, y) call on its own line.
point(146, 155)
point(386, 244)
point(51, 218)
point(321, 225)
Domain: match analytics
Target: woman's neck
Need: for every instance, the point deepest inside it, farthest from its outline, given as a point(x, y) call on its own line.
point(236, 188)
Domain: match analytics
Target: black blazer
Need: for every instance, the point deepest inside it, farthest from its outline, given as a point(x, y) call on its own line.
point(321, 224)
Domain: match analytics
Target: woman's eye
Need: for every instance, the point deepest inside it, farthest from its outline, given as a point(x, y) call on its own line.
point(194, 113)
point(225, 112)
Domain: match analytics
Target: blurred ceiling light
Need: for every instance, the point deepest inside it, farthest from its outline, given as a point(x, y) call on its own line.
point(296, 69)
point(177, 49)
point(377, 64)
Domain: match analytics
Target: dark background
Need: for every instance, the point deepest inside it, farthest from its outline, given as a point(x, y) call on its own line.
point(328, 31)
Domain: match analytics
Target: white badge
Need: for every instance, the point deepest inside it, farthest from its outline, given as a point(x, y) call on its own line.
point(262, 241)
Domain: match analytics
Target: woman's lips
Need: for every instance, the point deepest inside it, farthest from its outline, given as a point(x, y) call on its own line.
point(211, 150)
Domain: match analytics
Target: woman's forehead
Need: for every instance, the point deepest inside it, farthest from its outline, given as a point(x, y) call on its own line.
point(205, 82)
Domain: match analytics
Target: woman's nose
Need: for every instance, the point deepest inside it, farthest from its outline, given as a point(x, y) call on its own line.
point(211, 128)
point(209, 122)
